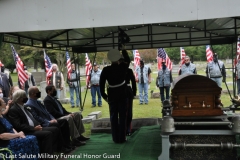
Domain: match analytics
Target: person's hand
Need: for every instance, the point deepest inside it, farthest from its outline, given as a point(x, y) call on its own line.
point(158, 86)
point(21, 134)
point(89, 87)
point(61, 88)
point(53, 121)
point(149, 81)
point(71, 114)
point(9, 102)
point(106, 99)
point(38, 128)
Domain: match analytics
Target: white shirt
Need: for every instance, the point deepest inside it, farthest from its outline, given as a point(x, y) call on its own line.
point(29, 119)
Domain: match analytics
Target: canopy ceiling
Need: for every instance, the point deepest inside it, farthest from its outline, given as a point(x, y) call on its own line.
point(174, 34)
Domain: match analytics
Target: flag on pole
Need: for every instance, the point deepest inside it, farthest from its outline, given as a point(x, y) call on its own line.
point(88, 68)
point(48, 67)
point(162, 56)
point(183, 55)
point(68, 65)
point(22, 75)
point(136, 61)
point(209, 53)
point(238, 52)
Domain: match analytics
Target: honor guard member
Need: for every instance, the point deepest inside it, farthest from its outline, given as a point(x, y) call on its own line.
point(7, 72)
point(73, 83)
point(143, 79)
point(115, 75)
point(94, 82)
point(238, 76)
point(57, 80)
point(188, 67)
point(164, 80)
point(131, 91)
point(216, 70)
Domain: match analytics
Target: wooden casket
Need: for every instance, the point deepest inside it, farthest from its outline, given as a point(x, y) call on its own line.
point(195, 95)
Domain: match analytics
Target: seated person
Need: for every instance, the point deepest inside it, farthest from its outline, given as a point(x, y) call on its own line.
point(56, 109)
point(41, 114)
point(16, 141)
point(22, 120)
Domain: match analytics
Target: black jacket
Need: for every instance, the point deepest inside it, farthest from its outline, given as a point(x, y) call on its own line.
point(53, 109)
point(19, 120)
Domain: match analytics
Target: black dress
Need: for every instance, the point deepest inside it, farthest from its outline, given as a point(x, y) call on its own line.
point(22, 148)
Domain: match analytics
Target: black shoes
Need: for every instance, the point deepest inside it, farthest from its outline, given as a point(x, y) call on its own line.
point(72, 106)
point(66, 150)
point(123, 141)
point(82, 138)
point(76, 142)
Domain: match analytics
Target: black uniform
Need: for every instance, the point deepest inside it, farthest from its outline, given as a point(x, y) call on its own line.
point(116, 97)
point(131, 89)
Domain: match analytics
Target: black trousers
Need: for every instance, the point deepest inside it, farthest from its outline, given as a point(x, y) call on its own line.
point(63, 126)
point(45, 141)
point(129, 115)
point(118, 111)
point(57, 142)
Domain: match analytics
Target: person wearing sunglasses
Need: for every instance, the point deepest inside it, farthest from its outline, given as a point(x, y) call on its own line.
point(188, 67)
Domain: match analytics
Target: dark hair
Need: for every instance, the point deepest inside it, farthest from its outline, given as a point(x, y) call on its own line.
point(49, 88)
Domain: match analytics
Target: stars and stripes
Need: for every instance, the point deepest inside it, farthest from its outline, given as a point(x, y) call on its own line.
point(209, 53)
point(48, 67)
point(182, 55)
point(22, 75)
point(88, 68)
point(237, 53)
point(238, 46)
point(68, 63)
point(162, 56)
point(136, 61)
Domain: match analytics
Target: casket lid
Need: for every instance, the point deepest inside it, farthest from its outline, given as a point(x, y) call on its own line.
point(186, 80)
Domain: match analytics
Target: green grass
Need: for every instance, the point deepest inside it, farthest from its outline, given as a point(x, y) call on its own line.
point(153, 109)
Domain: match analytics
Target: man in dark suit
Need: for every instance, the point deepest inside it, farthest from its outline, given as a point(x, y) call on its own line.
point(56, 109)
point(4, 84)
point(41, 114)
point(22, 120)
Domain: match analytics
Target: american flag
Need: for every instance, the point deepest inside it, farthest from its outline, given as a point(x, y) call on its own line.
point(136, 61)
point(238, 52)
point(88, 68)
point(48, 67)
point(162, 55)
point(209, 53)
point(22, 75)
point(183, 55)
point(68, 65)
